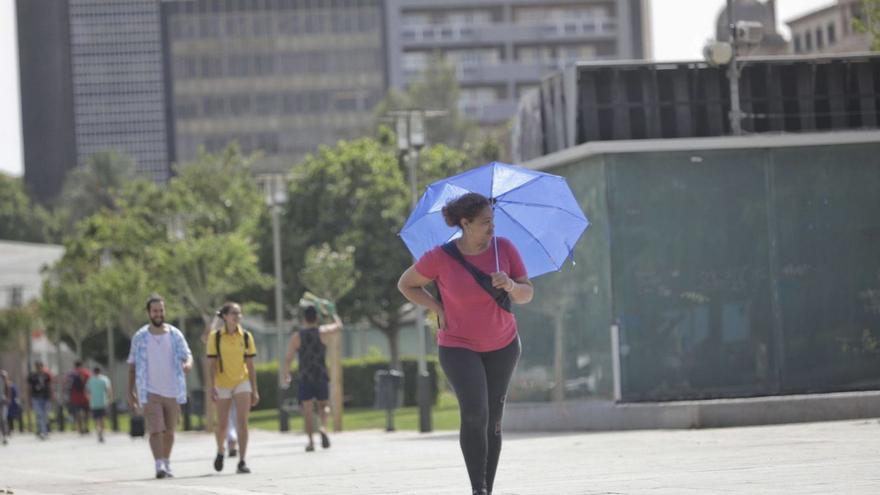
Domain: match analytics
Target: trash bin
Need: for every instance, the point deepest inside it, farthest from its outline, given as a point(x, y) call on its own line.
point(387, 385)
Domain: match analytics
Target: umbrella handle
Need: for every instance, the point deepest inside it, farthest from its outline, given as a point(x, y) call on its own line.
point(497, 268)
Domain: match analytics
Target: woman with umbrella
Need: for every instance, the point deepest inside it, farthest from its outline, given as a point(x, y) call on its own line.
point(478, 276)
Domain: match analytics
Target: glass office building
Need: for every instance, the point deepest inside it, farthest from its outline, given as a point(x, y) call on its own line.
point(281, 76)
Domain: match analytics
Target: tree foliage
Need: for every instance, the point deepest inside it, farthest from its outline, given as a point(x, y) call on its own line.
point(20, 218)
point(93, 186)
point(869, 22)
point(356, 194)
point(328, 273)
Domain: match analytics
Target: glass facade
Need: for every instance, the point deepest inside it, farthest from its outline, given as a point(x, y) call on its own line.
point(729, 273)
point(118, 82)
point(281, 77)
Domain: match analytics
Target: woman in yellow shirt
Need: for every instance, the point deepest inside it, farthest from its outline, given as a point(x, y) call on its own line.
point(231, 351)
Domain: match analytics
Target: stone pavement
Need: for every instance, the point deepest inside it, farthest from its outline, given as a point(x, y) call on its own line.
point(810, 458)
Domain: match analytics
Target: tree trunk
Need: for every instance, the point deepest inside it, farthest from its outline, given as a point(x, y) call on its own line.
point(392, 332)
point(336, 387)
point(203, 371)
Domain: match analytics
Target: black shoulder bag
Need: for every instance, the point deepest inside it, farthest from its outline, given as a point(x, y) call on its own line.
point(502, 297)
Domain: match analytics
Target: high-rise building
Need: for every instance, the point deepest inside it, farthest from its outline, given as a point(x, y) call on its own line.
point(772, 43)
point(91, 80)
point(502, 48)
point(829, 30)
point(281, 76)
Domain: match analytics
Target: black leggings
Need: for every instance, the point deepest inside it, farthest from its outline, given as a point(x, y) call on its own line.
point(480, 382)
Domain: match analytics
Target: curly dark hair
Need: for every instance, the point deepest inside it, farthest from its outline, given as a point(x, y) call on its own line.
point(466, 206)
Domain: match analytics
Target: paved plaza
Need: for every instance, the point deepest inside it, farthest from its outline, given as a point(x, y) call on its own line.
point(812, 458)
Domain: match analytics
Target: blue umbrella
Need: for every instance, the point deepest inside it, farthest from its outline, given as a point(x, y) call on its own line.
point(535, 210)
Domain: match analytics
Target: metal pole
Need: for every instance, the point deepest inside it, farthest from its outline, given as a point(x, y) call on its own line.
point(423, 381)
point(283, 424)
point(733, 76)
point(615, 361)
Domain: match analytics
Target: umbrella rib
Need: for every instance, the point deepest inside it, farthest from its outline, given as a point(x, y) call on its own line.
point(539, 205)
point(524, 184)
point(543, 247)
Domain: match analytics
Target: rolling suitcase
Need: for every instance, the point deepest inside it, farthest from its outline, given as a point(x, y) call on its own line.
point(136, 426)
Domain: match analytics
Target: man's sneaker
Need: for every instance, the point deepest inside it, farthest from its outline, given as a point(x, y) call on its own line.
point(325, 440)
point(218, 463)
point(232, 450)
point(100, 437)
point(242, 468)
point(161, 474)
point(310, 447)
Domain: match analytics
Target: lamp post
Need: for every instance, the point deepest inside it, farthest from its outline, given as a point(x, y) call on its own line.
point(276, 196)
point(106, 261)
point(410, 128)
point(733, 76)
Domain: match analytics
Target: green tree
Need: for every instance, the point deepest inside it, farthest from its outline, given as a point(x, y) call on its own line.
point(20, 218)
point(437, 89)
point(93, 186)
point(327, 273)
point(869, 22)
point(15, 325)
point(356, 194)
point(219, 207)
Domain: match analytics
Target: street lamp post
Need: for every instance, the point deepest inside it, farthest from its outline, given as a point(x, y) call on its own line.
point(274, 187)
point(733, 75)
point(410, 139)
point(107, 261)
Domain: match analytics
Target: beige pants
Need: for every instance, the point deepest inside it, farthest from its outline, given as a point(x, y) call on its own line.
point(161, 413)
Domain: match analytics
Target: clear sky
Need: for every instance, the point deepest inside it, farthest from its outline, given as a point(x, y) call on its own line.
point(680, 28)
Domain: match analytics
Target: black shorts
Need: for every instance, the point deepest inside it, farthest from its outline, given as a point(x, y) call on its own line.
point(99, 413)
point(75, 409)
point(312, 390)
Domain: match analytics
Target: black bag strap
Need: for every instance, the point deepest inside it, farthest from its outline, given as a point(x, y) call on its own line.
point(485, 281)
point(219, 354)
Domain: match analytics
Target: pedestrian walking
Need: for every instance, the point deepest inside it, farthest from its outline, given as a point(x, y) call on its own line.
point(4, 406)
point(158, 361)
point(478, 341)
point(309, 345)
point(13, 409)
point(100, 393)
point(232, 380)
point(78, 401)
point(40, 396)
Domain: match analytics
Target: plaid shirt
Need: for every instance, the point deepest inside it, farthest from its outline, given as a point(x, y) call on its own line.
point(138, 356)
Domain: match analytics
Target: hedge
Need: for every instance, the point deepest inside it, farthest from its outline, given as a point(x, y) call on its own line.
point(357, 378)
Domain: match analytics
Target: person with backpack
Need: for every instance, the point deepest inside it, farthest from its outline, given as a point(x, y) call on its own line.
point(309, 345)
point(40, 396)
point(157, 365)
point(478, 341)
point(78, 402)
point(232, 380)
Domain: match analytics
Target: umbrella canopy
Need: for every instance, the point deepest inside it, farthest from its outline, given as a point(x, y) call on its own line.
point(535, 210)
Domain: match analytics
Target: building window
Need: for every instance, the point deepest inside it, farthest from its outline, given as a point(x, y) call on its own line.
point(832, 34)
point(820, 39)
point(797, 43)
point(808, 41)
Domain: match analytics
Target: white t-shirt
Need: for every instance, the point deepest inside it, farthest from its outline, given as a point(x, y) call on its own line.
point(160, 365)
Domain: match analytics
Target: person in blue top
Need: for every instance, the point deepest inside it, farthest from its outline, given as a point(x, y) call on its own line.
point(158, 361)
point(100, 393)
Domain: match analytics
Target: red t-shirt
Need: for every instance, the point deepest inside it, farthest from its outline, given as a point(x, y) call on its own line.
point(473, 319)
point(78, 397)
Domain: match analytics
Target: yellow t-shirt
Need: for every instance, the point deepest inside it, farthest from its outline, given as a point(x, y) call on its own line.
point(233, 354)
